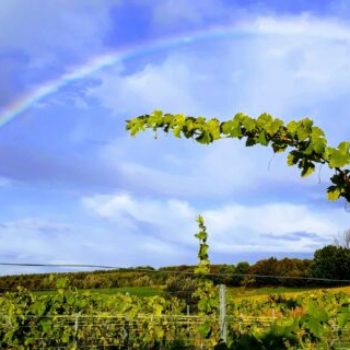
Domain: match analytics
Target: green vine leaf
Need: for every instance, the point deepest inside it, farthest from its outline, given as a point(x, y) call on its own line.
point(333, 193)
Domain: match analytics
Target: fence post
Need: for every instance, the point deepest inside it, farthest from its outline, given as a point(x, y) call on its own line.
point(126, 332)
point(188, 315)
point(223, 326)
point(76, 326)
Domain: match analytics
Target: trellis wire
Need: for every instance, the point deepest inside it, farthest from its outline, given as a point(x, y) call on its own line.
point(121, 269)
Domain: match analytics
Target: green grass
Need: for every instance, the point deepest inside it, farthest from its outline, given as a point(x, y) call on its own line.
point(137, 291)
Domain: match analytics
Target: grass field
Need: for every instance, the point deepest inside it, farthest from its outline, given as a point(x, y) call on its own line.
point(137, 291)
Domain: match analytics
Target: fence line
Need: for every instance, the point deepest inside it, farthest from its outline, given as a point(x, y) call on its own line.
point(115, 325)
point(136, 323)
point(107, 316)
point(148, 317)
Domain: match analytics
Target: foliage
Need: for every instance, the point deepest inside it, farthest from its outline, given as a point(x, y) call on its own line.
point(171, 280)
point(332, 262)
point(310, 321)
point(307, 142)
point(242, 268)
point(206, 294)
point(203, 256)
point(182, 288)
point(294, 268)
point(68, 320)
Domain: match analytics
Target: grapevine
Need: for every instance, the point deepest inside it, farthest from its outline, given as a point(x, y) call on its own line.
point(307, 143)
point(206, 292)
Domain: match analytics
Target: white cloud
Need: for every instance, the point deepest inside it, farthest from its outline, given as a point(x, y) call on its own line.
point(232, 227)
point(226, 169)
point(153, 86)
point(34, 239)
point(38, 240)
point(267, 227)
point(168, 219)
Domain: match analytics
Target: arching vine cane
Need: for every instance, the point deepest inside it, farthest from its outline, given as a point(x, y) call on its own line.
point(307, 142)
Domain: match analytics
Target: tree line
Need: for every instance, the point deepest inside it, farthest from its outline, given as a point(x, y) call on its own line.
point(331, 262)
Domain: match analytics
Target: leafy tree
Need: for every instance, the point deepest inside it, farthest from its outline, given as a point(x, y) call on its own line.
point(307, 142)
point(279, 268)
point(222, 274)
point(242, 268)
point(266, 267)
point(332, 262)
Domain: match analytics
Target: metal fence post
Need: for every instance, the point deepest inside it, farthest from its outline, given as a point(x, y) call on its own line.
point(188, 315)
point(222, 319)
point(76, 326)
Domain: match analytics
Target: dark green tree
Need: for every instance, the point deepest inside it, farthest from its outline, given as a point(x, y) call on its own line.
point(332, 262)
point(242, 268)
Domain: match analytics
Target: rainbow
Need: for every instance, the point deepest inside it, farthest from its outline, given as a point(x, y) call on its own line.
point(263, 26)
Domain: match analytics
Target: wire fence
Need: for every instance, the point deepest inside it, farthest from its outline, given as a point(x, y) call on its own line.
point(112, 327)
point(117, 331)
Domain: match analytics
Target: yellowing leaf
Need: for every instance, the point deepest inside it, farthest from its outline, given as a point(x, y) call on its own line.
point(333, 194)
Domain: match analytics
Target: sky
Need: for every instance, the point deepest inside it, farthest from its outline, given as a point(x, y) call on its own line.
point(76, 188)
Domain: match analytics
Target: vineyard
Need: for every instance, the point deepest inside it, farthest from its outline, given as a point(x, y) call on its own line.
point(204, 317)
point(69, 319)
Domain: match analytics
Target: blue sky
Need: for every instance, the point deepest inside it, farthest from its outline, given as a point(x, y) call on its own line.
point(75, 188)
